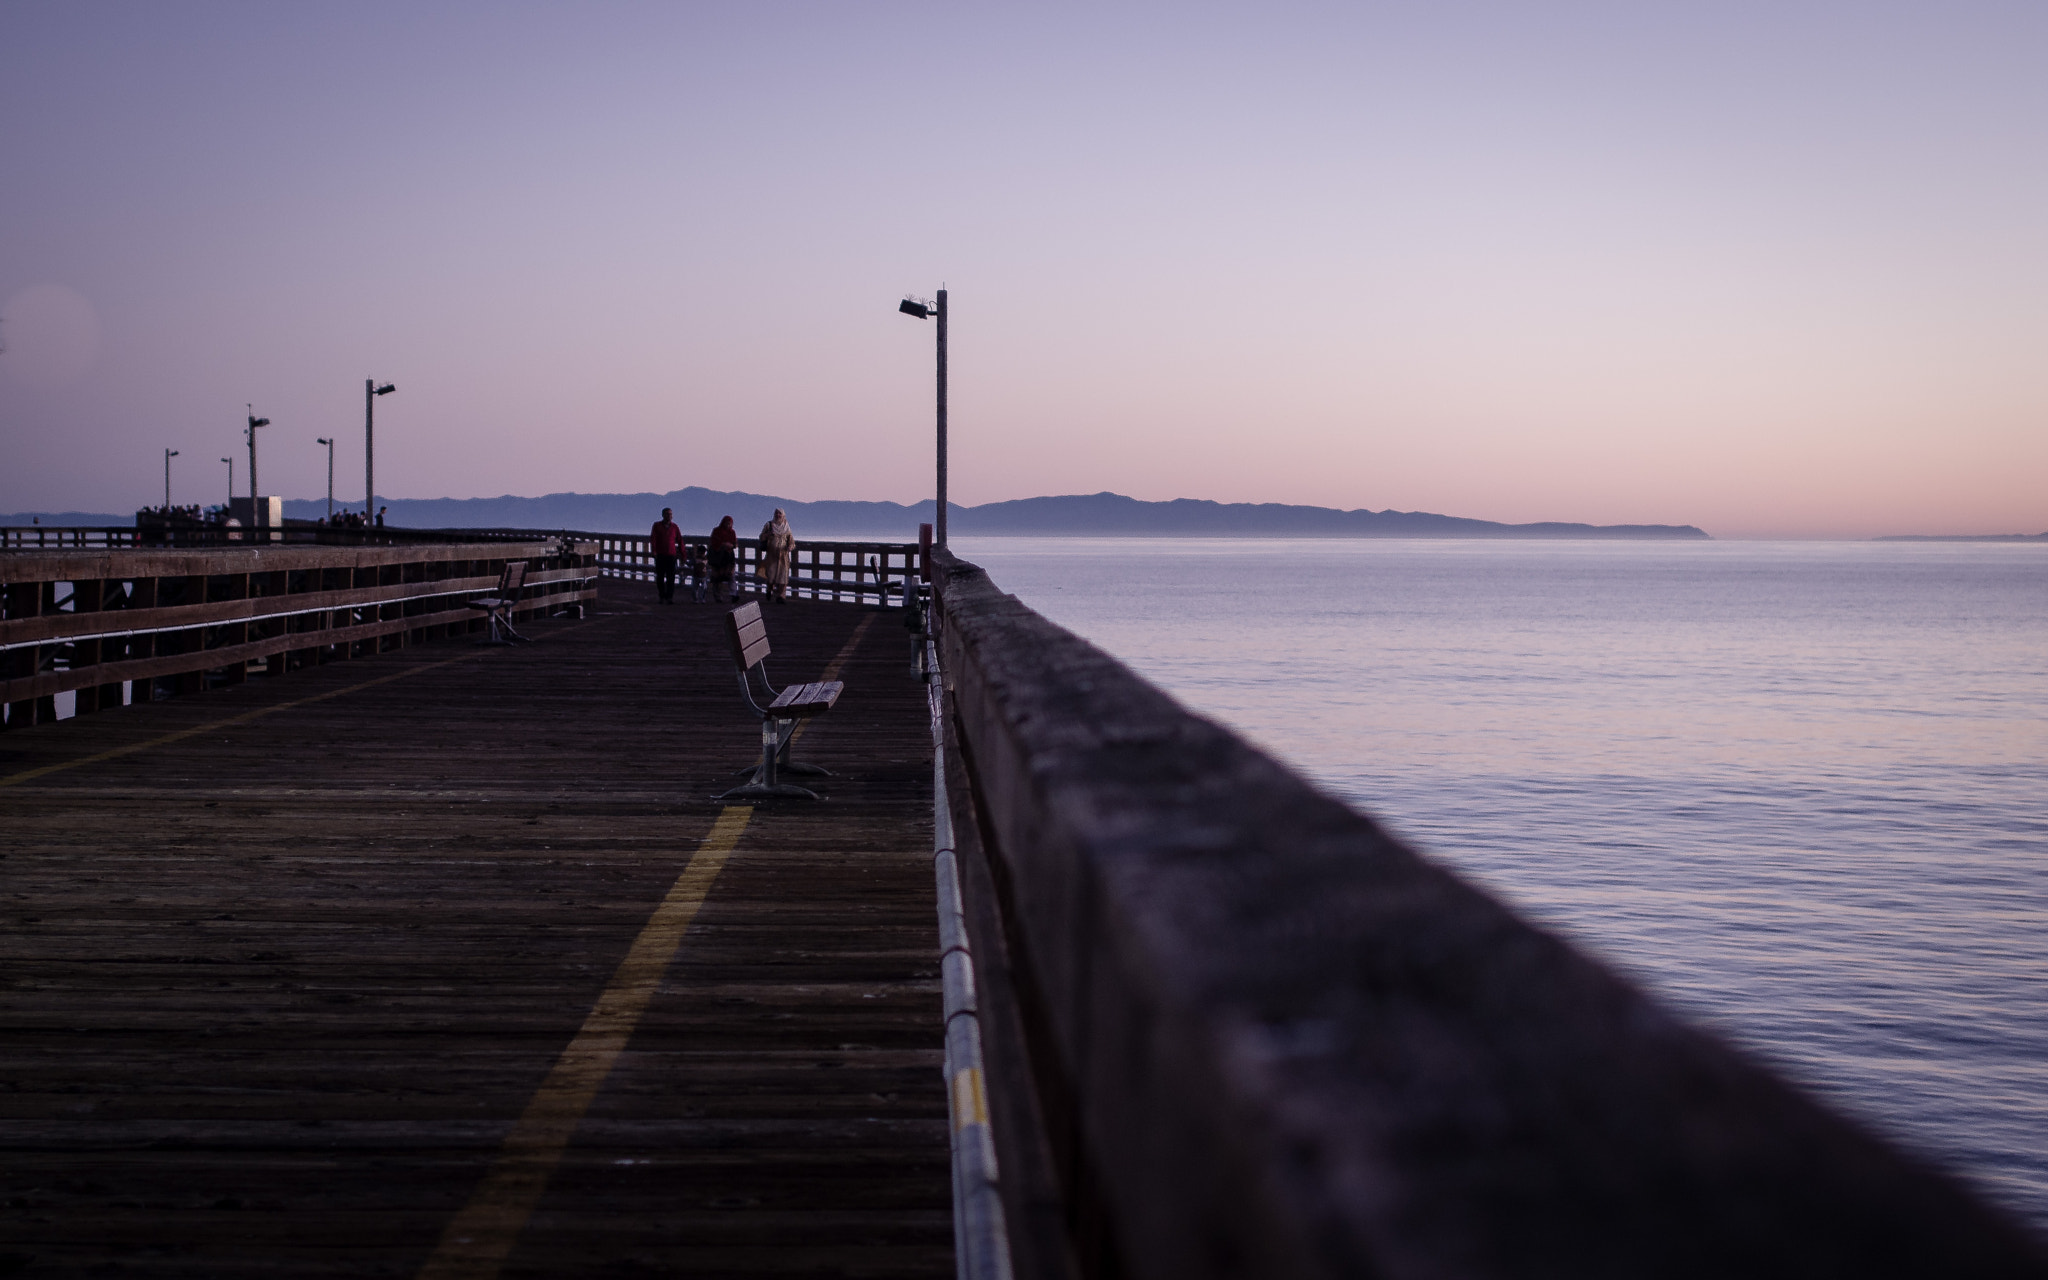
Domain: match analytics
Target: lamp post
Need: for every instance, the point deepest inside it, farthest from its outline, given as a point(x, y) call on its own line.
point(254, 422)
point(229, 509)
point(925, 311)
point(370, 393)
point(168, 455)
point(330, 476)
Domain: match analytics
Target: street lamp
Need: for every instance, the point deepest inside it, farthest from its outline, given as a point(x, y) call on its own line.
point(254, 489)
point(168, 455)
point(925, 311)
point(229, 509)
point(330, 477)
point(370, 393)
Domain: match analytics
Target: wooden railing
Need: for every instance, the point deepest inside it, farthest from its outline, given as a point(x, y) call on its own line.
point(1232, 1028)
point(851, 572)
point(112, 624)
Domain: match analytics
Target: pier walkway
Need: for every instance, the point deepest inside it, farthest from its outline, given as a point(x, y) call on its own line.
point(444, 962)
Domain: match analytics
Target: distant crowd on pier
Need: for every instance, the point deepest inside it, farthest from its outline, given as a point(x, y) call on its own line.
point(193, 514)
point(196, 514)
point(352, 520)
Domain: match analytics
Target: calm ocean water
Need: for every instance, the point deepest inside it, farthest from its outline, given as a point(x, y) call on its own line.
point(1800, 789)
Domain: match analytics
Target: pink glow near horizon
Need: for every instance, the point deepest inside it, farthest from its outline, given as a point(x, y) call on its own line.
point(1775, 271)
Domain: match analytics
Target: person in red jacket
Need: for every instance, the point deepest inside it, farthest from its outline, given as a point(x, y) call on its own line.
point(668, 548)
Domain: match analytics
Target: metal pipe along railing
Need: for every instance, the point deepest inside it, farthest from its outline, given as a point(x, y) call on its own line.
point(981, 1242)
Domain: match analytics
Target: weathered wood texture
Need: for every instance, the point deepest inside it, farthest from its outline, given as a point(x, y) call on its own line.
point(1284, 1045)
point(272, 995)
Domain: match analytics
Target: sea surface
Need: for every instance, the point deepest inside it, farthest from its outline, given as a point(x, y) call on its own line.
point(1798, 789)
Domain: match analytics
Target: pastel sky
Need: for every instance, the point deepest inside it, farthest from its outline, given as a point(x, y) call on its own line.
point(1768, 268)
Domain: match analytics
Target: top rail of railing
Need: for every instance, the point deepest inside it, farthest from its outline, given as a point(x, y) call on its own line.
point(97, 537)
point(59, 537)
point(845, 570)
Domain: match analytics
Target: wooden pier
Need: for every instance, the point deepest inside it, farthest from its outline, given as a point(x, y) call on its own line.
point(445, 962)
point(333, 944)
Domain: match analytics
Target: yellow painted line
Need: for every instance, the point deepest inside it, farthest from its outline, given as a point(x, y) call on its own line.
point(970, 1100)
point(28, 774)
point(846, 650)
point(832, 667)
point(481, 1236)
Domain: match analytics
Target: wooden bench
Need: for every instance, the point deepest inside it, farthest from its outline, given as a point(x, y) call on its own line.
point(779, 718)
point(499, 604)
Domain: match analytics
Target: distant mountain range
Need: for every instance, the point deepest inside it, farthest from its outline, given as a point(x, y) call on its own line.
point(1090, 515)
point(1074, 515)
point(1099, 514)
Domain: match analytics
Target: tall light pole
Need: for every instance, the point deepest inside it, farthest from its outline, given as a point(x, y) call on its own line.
point(254, 489)
point(370, 393)
point(330, 477)
point(229, 509)
point(168, 455)
point(925, 311)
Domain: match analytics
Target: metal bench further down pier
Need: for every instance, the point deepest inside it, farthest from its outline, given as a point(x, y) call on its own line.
point(780, 717)
point(499, 604)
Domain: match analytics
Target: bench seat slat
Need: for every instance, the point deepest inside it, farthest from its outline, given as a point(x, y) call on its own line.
point(808, 699)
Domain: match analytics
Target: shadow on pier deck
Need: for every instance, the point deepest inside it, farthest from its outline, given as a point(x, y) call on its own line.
point(286, 964)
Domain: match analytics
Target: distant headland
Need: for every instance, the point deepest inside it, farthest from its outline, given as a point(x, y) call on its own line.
point(1074, 515)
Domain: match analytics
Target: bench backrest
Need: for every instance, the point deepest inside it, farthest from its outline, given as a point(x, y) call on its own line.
point(510, 581)
point(749, 635)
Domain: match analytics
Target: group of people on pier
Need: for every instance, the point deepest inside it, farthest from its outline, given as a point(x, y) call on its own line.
point(712, 567)
point(354, 519)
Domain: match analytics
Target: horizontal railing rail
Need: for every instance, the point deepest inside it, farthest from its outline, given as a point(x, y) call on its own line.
point(115, 624)
point(199, 534)
point(1268, 1039)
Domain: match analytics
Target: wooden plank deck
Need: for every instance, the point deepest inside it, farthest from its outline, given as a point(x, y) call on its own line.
point(273, 994)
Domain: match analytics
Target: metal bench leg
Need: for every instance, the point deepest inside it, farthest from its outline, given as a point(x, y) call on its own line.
point(764, 784)
point(500, 623)
point(787, 765)
point(783, 764)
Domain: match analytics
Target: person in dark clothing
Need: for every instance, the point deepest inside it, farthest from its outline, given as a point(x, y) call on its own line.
point(668, 548)
point(725, 558)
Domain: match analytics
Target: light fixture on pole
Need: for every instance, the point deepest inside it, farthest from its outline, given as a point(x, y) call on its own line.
point(925, 311)
point(330, 477)
point(168, 455)
point(255, 517)
point(370, 393)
